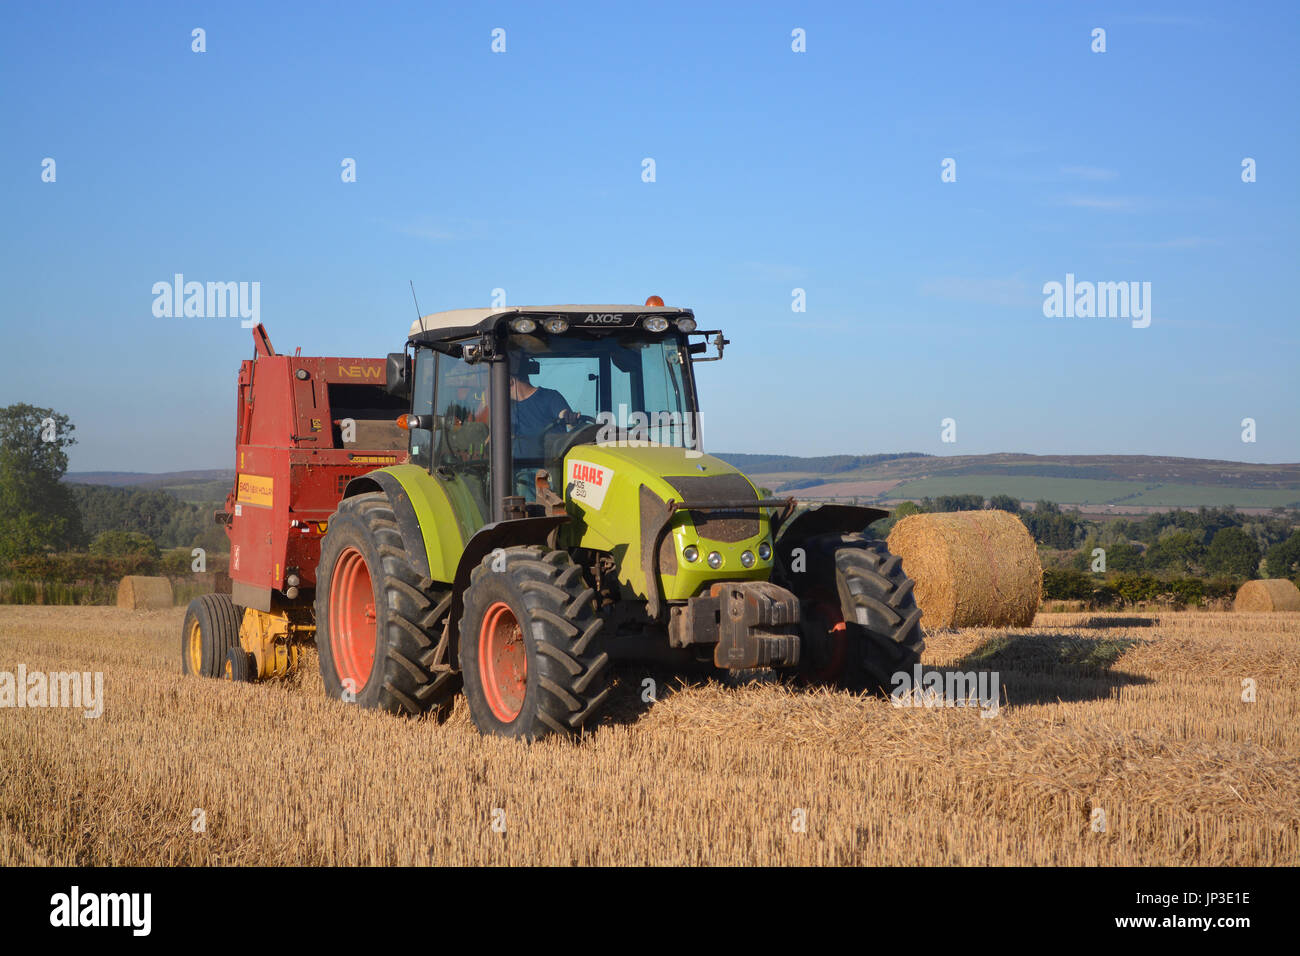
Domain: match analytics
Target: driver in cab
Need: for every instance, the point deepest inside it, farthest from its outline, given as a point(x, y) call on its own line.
point(533, 410)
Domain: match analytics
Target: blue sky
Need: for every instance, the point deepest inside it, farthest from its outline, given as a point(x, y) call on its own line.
point(775, 170)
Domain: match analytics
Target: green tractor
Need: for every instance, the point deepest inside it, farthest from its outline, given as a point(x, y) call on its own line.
point(557, 516)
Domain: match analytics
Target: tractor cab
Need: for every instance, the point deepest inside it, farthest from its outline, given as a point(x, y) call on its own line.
point(561, 377)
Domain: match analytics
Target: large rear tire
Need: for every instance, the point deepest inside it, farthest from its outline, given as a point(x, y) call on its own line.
point(860, 622)
point(380, 626)
point(210, 630)
point(530, 646)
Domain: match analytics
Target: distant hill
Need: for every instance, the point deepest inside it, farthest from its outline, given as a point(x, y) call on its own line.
point(196, 486)
point(1101, 482)
point(827, 464)
point(146, 479)
point(1098, 482)
point(1104, 467)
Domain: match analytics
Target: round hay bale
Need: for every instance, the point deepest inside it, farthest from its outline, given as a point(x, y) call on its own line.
point(141, 593)
point(971, 568)
point(1272, 594)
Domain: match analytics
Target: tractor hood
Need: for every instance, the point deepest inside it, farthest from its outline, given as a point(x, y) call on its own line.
point(617, 495)
point(656, 466)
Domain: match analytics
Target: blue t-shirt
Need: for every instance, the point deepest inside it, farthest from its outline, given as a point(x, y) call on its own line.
point(529, 418)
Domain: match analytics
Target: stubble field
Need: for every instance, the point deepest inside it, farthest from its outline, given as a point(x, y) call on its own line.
point(1117, 743)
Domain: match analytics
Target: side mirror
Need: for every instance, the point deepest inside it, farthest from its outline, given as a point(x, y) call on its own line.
point(399, 375)
point(718, 342)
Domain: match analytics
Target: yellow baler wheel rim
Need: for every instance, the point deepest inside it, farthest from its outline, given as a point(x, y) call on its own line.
point(194, 646)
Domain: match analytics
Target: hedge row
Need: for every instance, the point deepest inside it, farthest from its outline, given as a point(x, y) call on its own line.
point(77, 568)
point(1071, 585)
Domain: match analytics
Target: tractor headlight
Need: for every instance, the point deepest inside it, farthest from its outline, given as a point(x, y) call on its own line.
point(656, 323)
point(555, 326)
point(747, 558)
point(523, 325)
point(686, 324)
point(764, 551)
point(715, 560)
point(691, 553)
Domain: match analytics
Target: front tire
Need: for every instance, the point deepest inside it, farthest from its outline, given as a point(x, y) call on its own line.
point(380, 626)
point(530, 647)
point(861, 623)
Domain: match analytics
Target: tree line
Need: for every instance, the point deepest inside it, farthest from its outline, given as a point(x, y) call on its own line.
point(40, 514)
point(121, 520)
point(1207, 542)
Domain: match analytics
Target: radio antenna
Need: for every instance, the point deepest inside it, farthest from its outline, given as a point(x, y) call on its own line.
point(418, 314)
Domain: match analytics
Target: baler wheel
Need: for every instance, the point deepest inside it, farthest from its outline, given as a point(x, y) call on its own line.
point(210, 630)
point(861, 623)
point(530, 646)
point(380, 626)
point(240, 666)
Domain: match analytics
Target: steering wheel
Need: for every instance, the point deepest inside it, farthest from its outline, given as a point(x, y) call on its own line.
point(561, 435)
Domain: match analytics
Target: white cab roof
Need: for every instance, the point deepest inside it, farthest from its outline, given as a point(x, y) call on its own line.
point(469, 318)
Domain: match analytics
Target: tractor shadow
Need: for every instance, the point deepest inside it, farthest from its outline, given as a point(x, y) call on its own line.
point(1031, 669)
point(1051, 668)
point(640, 686)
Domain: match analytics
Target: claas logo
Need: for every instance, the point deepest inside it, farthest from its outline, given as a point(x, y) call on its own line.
point(583, 472)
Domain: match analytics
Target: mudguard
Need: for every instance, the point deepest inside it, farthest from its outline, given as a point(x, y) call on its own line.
point(821, 519)
point(434, 530)
point(498, 534)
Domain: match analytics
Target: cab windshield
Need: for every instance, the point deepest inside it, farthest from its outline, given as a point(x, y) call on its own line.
point(609, 387)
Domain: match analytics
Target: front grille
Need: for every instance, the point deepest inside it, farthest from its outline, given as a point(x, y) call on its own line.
point(725, 526)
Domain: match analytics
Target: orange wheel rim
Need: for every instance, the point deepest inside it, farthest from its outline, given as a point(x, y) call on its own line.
point(502, 662)
point(352, 620)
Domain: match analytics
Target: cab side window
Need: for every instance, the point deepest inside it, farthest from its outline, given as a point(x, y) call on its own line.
point(461, 447)
point(421, 439)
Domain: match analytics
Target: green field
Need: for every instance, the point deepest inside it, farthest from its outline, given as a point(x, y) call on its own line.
point(1188, 496)
point(1086, 491)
